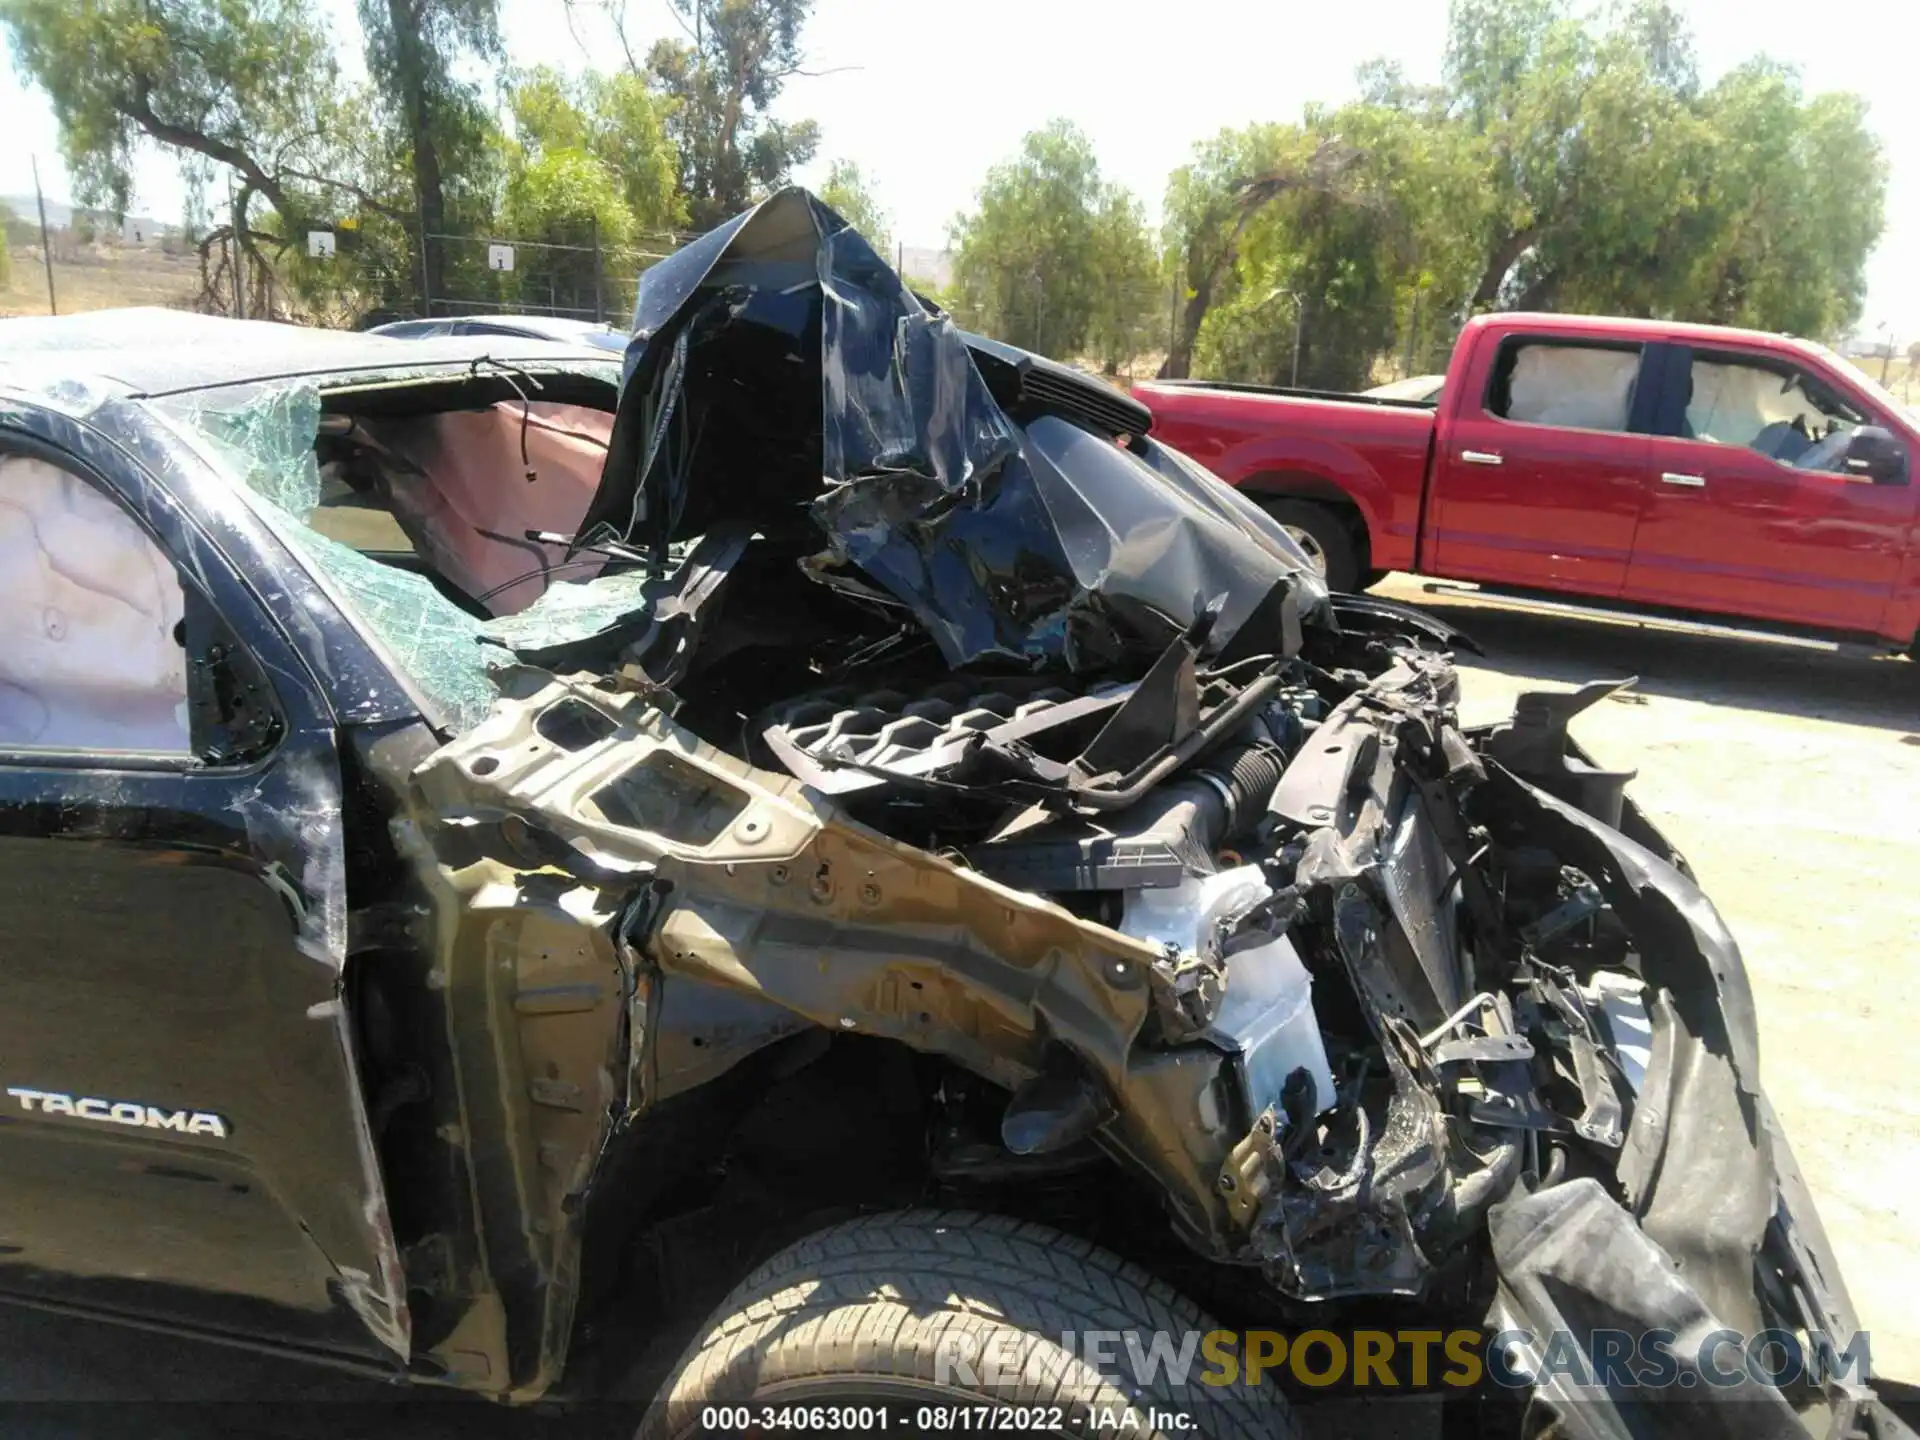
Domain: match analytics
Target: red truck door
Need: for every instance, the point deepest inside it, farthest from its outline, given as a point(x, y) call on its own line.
point(1541, 465)
point(1750, 508)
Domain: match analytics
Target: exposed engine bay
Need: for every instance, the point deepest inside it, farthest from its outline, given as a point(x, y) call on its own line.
point(955, 712)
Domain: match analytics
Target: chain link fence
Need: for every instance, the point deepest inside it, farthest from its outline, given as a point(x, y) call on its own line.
point(357, 275)
point(584, 280)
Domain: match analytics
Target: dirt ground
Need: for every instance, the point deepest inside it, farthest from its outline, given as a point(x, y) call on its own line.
point(1790, 778)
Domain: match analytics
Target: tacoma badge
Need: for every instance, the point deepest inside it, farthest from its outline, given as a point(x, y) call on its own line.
point(121, 1112)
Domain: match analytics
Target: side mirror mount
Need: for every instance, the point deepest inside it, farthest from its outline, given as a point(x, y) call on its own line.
point(1874, 454)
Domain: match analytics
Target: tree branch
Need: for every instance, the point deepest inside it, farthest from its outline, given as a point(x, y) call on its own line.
point(372, 202)
point(678, 19)
point(139, 109)
point(1505, 255)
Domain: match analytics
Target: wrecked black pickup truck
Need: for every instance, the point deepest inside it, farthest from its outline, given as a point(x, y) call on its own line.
point(830, 825)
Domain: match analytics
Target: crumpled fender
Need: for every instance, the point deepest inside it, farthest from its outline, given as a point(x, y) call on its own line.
point(1685, 947)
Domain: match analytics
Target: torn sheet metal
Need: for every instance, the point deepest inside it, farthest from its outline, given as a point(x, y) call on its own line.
point(1045, 544)
point(767, 891)
point(1684, 944)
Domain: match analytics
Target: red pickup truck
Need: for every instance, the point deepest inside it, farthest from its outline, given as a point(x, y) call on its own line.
point(1677, 468)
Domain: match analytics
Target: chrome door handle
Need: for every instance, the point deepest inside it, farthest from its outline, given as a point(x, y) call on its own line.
point(1691, 482)
point(1480, 457)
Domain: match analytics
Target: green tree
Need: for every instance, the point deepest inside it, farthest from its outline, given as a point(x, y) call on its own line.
point(847, 191)
point(724, 79)
point(1211, 202)
point(1793, 195)
point(1028, 261)
point(413, 50)
point(232, 84)
point(244, 89)
point(615, 122)
point(1565, 163)
point(589, 166)
point(1327, 275)
point(1127, 287)
point(1620, 186)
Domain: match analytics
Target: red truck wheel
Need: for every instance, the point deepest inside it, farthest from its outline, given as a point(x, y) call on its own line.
point(1322, 532)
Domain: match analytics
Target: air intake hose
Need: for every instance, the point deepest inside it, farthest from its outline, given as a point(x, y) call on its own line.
point(1245, 777)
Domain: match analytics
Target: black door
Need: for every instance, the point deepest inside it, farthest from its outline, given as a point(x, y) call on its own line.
point(183, 1135)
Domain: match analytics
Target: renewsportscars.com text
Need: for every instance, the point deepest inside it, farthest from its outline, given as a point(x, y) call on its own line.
point(1424, 1359)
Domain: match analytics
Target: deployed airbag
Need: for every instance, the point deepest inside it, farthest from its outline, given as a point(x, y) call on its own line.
point(473, 482)
point(1572, 385)
point(90, 610)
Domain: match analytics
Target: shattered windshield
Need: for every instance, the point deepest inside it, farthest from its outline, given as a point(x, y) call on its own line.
point(263, 436)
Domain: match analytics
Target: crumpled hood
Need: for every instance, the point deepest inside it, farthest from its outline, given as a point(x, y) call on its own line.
point(780, 370)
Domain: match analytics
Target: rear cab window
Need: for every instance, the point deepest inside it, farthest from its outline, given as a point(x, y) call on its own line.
point(108, 652)
point(1574, 385)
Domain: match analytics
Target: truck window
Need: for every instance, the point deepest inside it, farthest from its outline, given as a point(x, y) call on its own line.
point(1581, 387)
point(91, 612)
point(1780, 411)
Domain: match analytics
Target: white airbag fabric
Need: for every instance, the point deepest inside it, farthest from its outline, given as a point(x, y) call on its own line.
point(88, 609)
point(1573, 386)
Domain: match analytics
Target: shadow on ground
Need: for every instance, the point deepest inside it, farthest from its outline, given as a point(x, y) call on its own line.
point(65, 1379)
point(1752, 674)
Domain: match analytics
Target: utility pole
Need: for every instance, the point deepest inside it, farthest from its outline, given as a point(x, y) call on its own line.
point(46, 246)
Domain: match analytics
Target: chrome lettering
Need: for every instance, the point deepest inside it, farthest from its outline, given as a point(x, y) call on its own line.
point(122, 1112)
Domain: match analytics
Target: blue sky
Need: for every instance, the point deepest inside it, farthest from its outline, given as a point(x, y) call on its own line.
point(925, 94)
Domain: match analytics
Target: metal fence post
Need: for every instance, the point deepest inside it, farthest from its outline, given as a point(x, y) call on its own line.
point(599, 301)
point(46, 246)
point(426, 284)
point(1299, 321)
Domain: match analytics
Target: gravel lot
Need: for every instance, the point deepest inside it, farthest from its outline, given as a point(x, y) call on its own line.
point(1791, 778)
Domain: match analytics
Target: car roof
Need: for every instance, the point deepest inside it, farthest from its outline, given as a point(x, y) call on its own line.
point(152, 351)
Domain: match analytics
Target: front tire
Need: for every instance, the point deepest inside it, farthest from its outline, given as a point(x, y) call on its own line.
point(953, 1308)
point(1322, 532)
